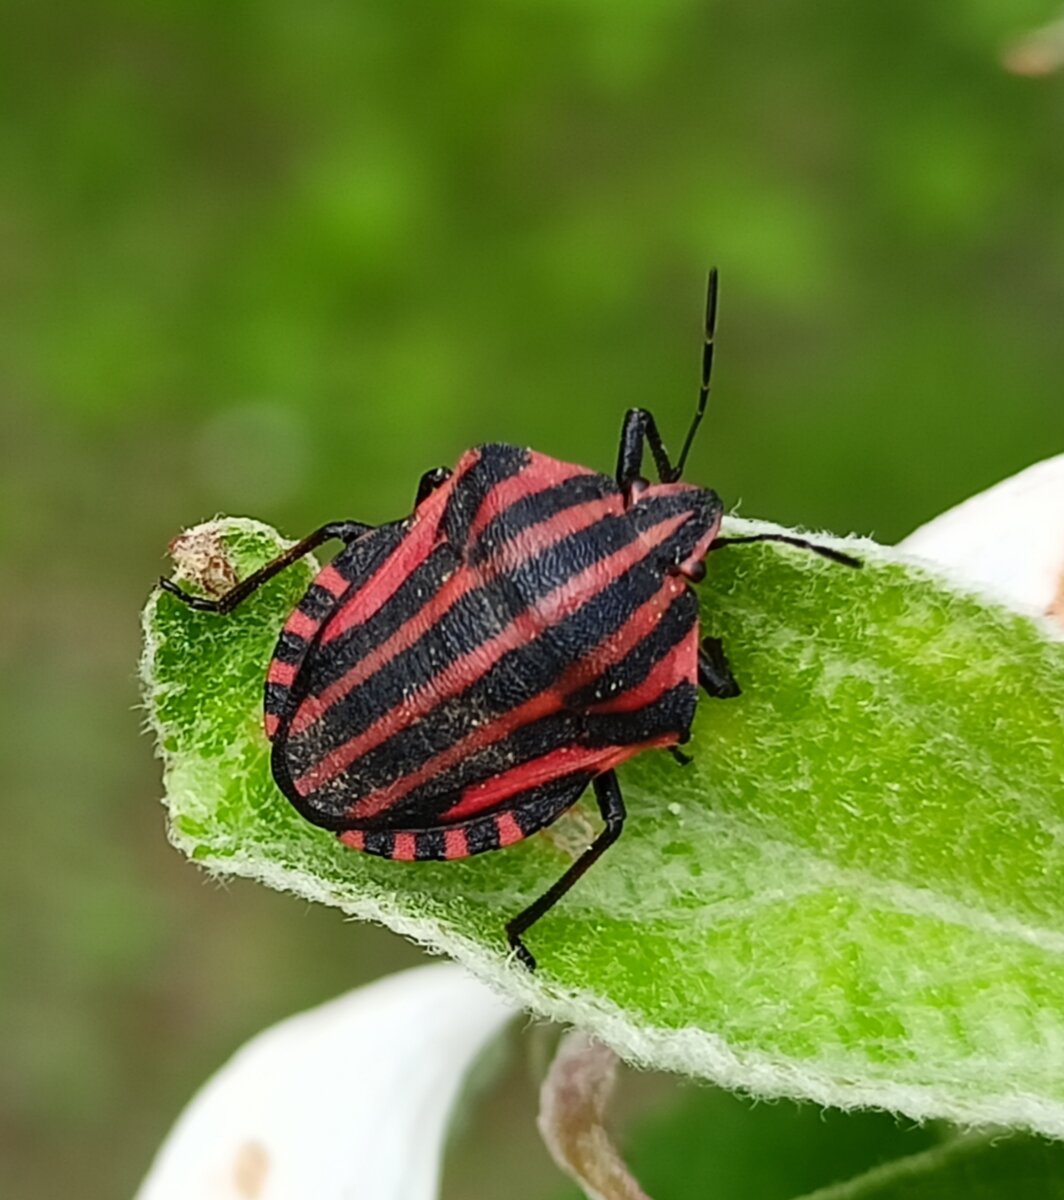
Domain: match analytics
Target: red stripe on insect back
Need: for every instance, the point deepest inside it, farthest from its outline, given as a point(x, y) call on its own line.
point(270, 722)
point(554, 607)
point(455, 844)
point(534, 539)
point(508, 829)
point(281, 672)
point(301, 625)
point(453, 681)
point(531, 541)
point(599, 658)
point(408, 555)
point(680, 665)
point(354, 838)
point(542, 474)
point(567, 760)
point(405, 848)
point(332, 581)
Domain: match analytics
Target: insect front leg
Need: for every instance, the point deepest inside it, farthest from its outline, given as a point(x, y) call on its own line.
point(345, 531)
point(611, 806)
point(641, 429)
point(638, 431)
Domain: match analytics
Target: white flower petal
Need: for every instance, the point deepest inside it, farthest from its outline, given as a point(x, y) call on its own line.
point(349, 1101)
point(1009, 539)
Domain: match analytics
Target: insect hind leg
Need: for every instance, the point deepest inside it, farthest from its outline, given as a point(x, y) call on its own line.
point(611, 806)
point(522, 816)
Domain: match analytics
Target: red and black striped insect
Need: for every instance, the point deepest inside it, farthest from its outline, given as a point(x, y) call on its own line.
point(452, 682)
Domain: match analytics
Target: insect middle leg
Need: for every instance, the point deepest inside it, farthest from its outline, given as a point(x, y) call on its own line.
point(345, 531)
point(611, 806)
point(716, 678)
point(714, 674)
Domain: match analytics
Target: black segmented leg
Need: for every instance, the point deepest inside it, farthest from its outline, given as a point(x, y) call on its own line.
point(847, 560)
point(714, 674)
point(345, 531)
point(430, 481)
point(685, 760)
point(611, 806)
point(640, 429)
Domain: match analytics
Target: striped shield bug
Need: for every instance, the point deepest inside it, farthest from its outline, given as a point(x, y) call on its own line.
point(453, 681)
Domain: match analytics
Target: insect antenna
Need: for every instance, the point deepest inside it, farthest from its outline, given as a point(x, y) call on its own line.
point(707, 371)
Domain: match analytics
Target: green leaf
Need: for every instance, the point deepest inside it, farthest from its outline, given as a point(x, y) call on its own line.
point(855, 894)
point(965, 1169)
point(752, 1151)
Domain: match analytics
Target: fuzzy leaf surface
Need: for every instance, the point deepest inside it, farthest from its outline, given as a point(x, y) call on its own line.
point(855, 894)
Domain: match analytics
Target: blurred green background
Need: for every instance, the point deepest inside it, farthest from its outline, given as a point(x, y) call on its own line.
point(278, 259)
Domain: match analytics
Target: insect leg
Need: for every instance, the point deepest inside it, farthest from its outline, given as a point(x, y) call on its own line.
point(847, 560)
point(430, 481)
point(346, 531)
point(611, 806)
point(639, 430)
point(714, 674)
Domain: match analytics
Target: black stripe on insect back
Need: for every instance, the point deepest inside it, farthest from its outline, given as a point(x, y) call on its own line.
point(637, 664)
point(290, 647)
point(317, 602)
point(530, 811)
point(671, 713)
point(418, 589)
point(494, 463)
point(276, 697)
point(358, 557)
point(473, 619)
point(536, 508)
point(425, 805)
point(518, 675)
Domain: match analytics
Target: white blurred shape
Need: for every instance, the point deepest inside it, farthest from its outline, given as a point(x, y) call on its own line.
point(1037, 53)
point(349, 1101)
point(1010, 539)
